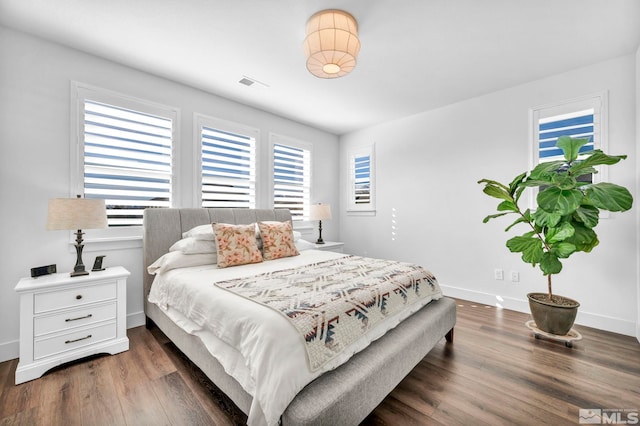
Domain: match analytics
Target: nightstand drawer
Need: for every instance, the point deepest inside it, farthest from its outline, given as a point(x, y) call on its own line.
point(44, 302)
point(74, 318)
point(66, 342)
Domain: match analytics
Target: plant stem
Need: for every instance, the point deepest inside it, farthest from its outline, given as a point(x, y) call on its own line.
point(544, 243)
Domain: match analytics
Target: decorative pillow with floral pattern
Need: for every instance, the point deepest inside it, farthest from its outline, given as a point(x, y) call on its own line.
point(236, 244)
point(277, 240)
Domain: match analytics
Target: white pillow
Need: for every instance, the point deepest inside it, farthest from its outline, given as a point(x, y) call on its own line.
point(201, 232)
point(304, 245)
point(177, 259)
point(192, 245)
point(296, 235)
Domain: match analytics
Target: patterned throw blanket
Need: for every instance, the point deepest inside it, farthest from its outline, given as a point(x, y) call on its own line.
point(333, 303)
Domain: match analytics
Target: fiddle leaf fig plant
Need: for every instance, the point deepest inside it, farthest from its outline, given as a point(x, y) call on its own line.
point(567, 210)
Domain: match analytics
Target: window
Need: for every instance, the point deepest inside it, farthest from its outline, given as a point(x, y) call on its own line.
point(361, 180)
point(583, 118)
point(291, 176)
point(227, 164)
point(124, 154)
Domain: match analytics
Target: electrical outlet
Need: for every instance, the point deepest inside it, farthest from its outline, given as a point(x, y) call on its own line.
point(498, 274)
point(515, 276)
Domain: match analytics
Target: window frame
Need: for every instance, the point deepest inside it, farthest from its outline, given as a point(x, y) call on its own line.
point(203, 120)
point(352, 154)
point(274, 139)
point(599, 101)
point(125, 236)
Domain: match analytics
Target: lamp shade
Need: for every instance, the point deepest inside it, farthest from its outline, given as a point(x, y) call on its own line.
point(320, 212)
point(76, 213)
point(331, 45)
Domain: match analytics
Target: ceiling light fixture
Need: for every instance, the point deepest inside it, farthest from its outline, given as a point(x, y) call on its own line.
point(332, 43)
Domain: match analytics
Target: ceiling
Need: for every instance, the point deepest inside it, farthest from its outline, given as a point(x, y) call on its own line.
point(416, 55)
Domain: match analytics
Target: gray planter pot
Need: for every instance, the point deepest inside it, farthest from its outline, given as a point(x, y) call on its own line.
point(554, 318)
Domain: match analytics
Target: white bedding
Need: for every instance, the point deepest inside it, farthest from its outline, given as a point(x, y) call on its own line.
point(256, 345)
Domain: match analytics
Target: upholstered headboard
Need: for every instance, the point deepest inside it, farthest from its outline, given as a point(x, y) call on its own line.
point(163, 227)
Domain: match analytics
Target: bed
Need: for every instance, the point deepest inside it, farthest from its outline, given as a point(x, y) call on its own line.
point(344, 395)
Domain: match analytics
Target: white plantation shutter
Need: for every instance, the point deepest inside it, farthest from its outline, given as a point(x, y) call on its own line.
point(127, 160)
point(584, 118)
point(292, 179)
point(577, 124)
point(361, 180)
point(361, 174)
point(228, 169)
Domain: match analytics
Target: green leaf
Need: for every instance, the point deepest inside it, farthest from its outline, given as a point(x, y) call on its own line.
point(507, 206)
point(595, 158)
point(583, 238)
point(588, 215)
point(563, 249)
point(564, 181)
point(497, 192)
point(560, 233)
point(544, 218)
point(515, 183)
point(493, 216)
point(494, 183)
point(550, 264)
point(517, 221)
point(609, 196)
point(570, 146)
point(542, 170)
point(556, 200)
point(530, 247)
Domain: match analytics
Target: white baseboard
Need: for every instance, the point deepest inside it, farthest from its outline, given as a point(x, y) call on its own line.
point(136, 319)
point(11, 350)
point(601, 322)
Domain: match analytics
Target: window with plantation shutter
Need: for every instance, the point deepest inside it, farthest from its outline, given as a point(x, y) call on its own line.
point(291, 176)
point(124, 154)
point(361, 180)
point(583, 118)
point(228, 165)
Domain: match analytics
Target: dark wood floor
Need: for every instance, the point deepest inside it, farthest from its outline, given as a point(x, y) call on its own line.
point(494, 373)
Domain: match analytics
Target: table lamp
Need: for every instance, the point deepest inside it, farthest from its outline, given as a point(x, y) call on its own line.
point(320, 212)
point(76, 213)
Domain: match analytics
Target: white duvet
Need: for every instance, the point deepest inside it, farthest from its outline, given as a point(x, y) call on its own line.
point(256, 345)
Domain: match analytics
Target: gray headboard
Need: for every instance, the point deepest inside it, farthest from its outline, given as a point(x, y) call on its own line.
point(163, 227)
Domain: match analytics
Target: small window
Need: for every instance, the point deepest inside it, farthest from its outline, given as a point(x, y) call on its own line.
point(227, 164)
point(583, 118)
point(361, 180)
point(125, 154)
point(291, 176)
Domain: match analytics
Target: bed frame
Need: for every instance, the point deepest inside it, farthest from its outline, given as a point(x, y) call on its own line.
point(345, 395)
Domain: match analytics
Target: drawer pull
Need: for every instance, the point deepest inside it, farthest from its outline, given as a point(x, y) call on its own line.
point(77, 340)
point(79, 318)
point(79, 297)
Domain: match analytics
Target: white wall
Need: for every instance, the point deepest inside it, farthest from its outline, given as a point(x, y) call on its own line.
point(35, 80)
point(638, 186)
point(427, 169)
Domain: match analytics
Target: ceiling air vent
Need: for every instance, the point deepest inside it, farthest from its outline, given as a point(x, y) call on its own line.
point(246, 81)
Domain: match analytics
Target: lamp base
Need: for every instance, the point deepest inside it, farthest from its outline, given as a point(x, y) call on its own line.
point(79, 270)
point(320, 241)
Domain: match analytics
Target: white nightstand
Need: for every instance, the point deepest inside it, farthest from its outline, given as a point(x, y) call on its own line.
point(65, 318)
point(330, 246)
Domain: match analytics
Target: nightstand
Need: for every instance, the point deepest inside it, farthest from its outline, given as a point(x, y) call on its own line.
point(330, 246)
point(65, 318)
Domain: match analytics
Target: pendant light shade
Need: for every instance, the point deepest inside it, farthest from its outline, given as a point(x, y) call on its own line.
point(332, 43)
